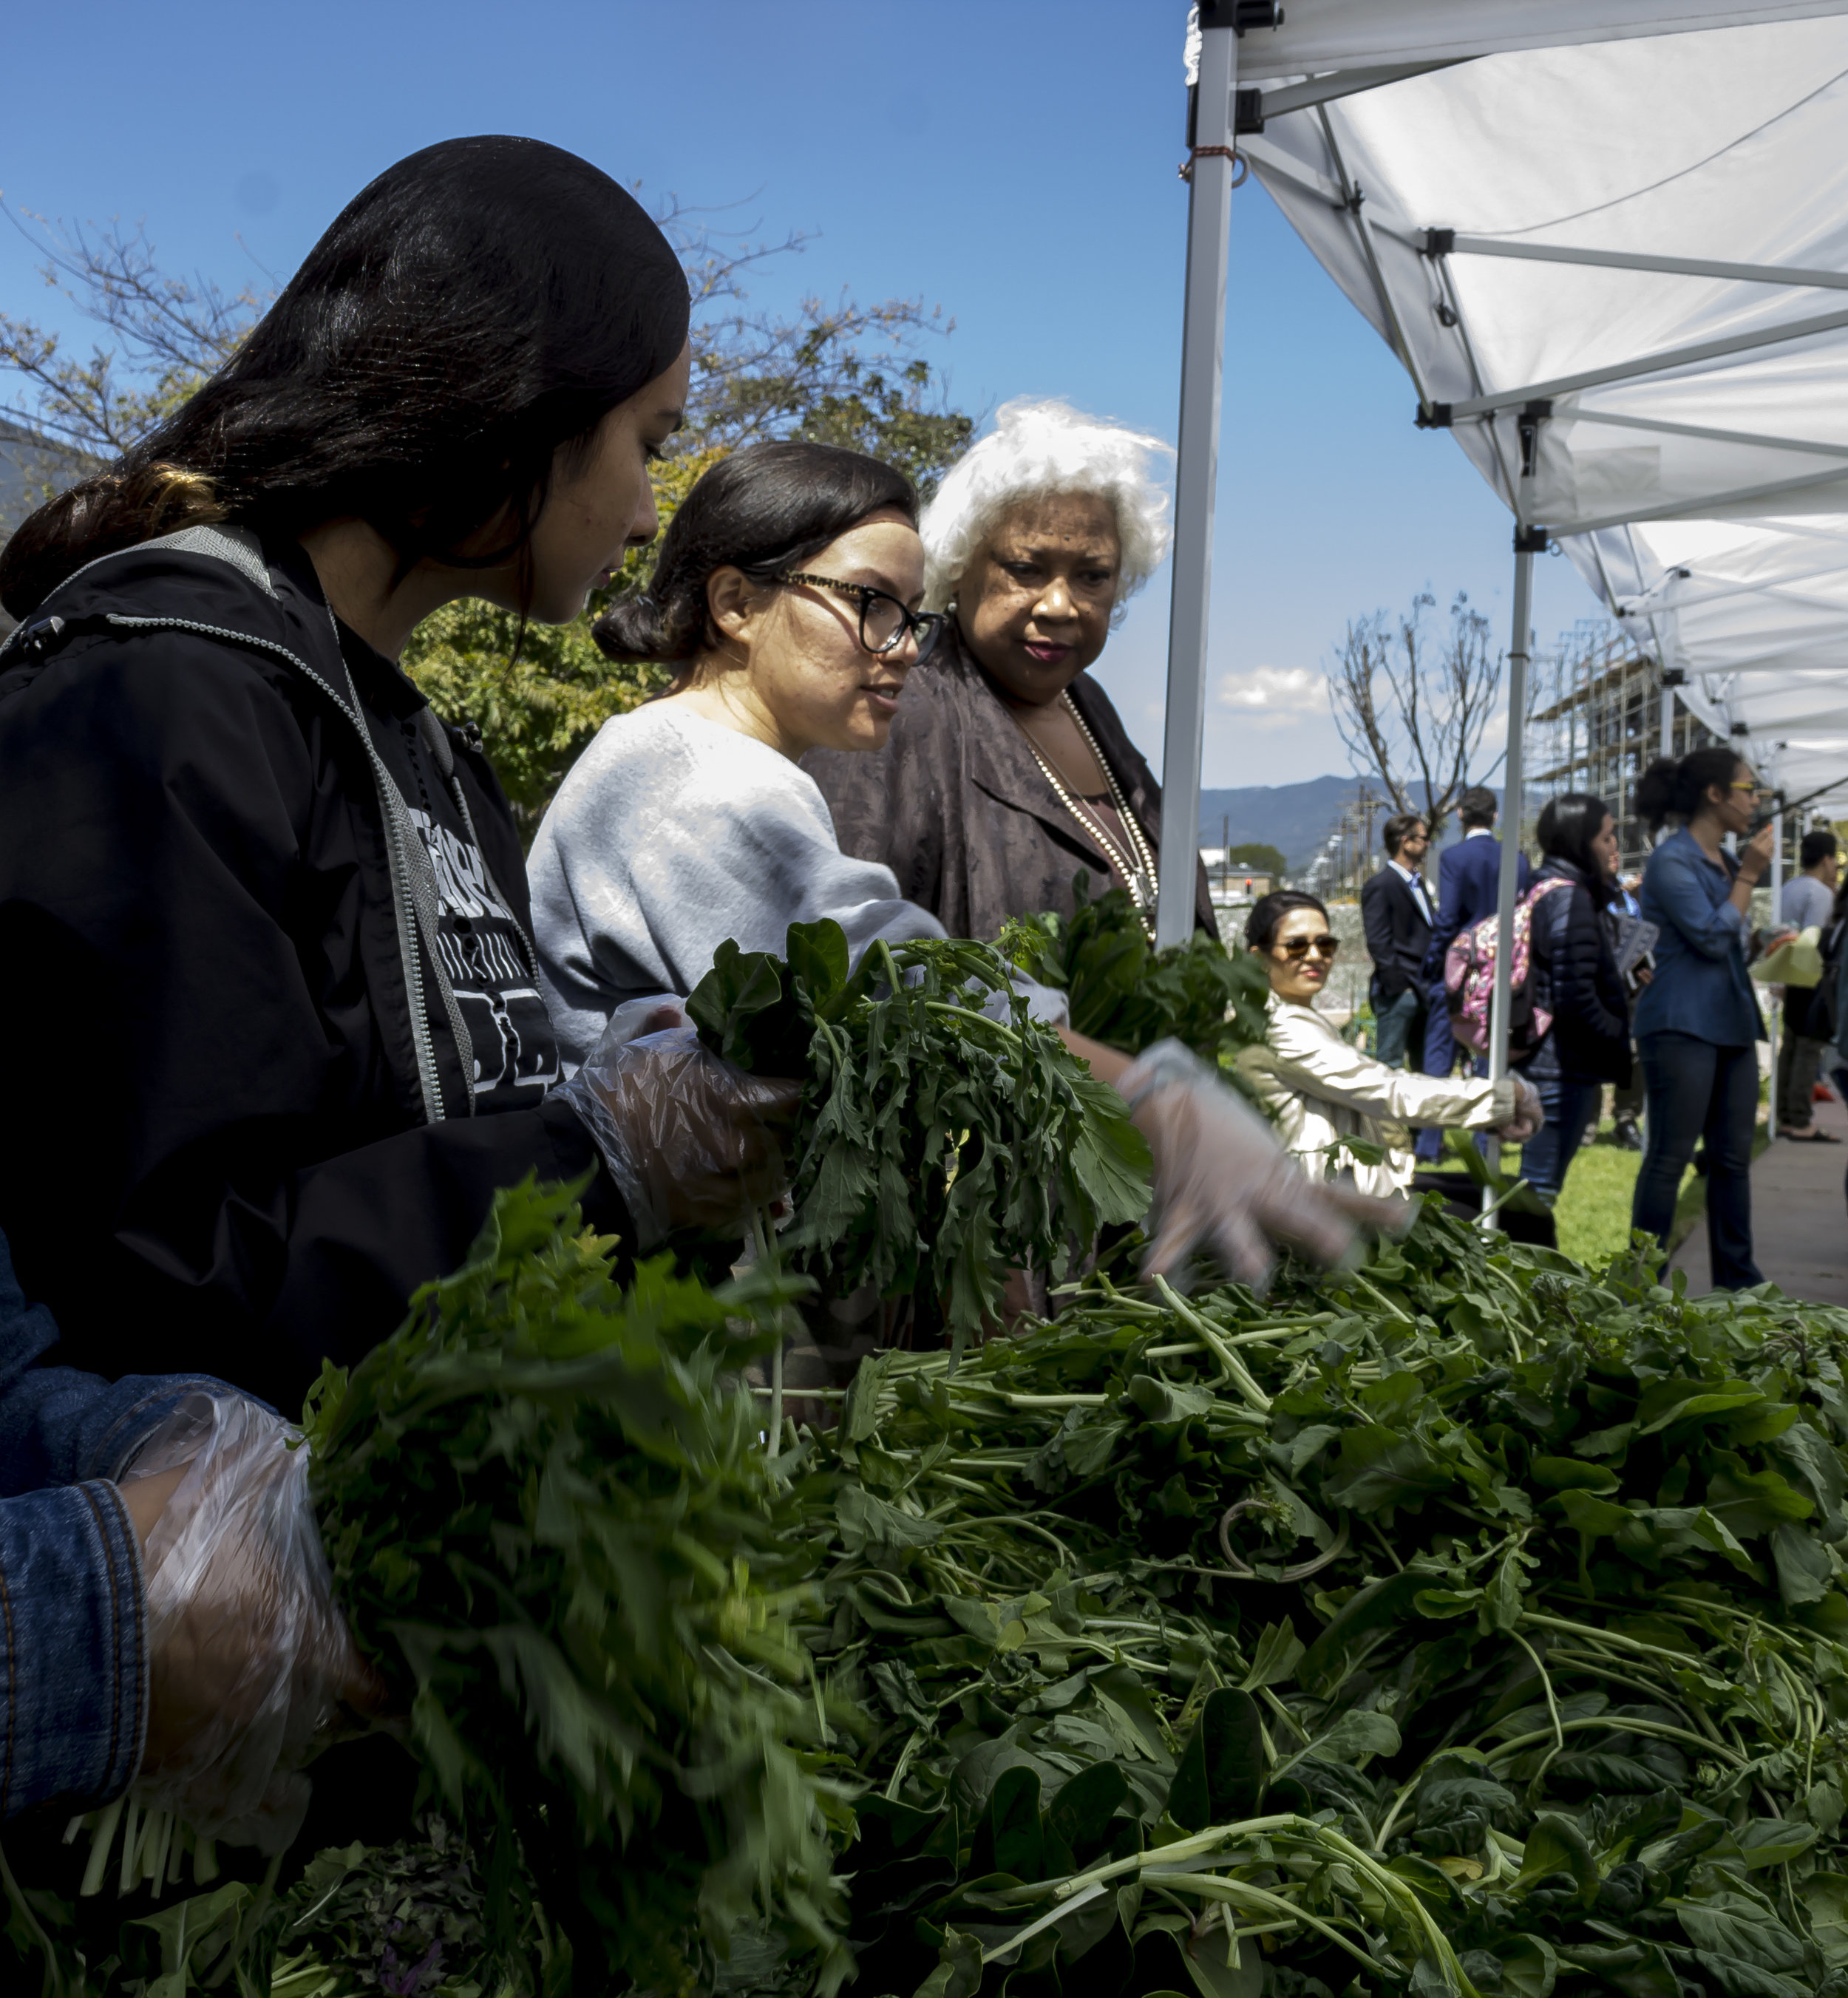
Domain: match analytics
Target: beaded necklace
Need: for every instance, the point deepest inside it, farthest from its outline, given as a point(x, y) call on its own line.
point(1137, 866)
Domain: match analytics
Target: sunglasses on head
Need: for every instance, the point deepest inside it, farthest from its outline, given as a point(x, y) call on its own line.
point(1299, 946)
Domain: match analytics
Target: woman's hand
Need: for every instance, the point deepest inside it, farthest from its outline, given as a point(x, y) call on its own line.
point(1755, 855)
point(1222, 1182)
point(690, 1139)
point(1529, 1114)
point(251, 1668)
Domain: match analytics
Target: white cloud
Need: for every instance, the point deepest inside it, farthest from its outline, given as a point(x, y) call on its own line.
point(1273, 697)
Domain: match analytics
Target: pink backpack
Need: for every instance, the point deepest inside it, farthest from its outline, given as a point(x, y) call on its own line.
point(1469, 980)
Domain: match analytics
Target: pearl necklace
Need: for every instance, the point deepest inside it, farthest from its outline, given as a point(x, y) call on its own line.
point(1136, 866)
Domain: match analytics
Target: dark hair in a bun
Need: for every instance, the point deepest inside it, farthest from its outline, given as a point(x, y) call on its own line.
point(766, 508)
point(1681, 788)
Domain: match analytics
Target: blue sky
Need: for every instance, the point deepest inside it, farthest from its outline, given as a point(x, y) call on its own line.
point(1013, 162)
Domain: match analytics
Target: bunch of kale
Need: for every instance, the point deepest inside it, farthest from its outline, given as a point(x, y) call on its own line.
point(944, 1137)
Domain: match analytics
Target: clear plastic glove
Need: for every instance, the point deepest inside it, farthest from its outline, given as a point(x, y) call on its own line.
point(1222, 1182)
point(1528, 1116)
point(251, 1668)
point(690, 1139)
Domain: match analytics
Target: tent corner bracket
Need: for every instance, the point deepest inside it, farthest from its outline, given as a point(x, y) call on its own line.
point(1531, 540)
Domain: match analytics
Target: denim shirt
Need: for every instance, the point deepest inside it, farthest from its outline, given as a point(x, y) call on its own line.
point(73, 1636)
point(1700, 986)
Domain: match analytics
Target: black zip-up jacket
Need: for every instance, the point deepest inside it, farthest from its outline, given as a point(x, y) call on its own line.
point(1574, 975)
point(237, 1132)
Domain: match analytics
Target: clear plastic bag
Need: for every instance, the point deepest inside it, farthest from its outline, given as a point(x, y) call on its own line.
point(689, 1138)
point(1223, 1184)
point(252, 1670)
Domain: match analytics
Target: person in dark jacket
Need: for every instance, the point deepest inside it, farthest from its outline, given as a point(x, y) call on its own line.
point(270, 993)
point(1007, 773)
point(1395, 914)
point(1469, 874)
point(1573, 979)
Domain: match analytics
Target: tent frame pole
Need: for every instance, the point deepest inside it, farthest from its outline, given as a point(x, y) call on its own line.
point(1527, 541)
point(1197, 479)
point(1775, 1020)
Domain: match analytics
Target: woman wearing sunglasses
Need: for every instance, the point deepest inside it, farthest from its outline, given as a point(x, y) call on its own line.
point(1321, 1090)
point(785, 597)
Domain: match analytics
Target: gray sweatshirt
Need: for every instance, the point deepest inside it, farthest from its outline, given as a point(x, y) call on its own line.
point(671, 833)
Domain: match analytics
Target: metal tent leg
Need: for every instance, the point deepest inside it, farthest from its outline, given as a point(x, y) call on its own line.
point(1514, 780)
point(1197, 474)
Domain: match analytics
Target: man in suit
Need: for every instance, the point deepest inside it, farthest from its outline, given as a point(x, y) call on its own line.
point(1468, 877)
point(1396, 915)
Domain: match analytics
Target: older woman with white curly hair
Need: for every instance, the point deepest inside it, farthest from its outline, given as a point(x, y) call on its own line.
point(1007, 773)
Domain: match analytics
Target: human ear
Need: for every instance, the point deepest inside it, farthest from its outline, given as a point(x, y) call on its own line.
point(731, 601)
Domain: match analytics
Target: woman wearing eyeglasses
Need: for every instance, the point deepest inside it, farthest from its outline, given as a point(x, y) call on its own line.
point(1319, 1088)
point(1698, 1025)
point(785, 597)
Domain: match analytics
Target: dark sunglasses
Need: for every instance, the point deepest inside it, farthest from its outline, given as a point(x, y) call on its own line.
point(1297, 947)
point(884, 621)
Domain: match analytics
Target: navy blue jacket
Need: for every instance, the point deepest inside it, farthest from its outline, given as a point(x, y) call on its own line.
point(1467, 875)
point(73, 1636)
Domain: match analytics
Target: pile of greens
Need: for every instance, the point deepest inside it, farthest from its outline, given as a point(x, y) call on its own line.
point(554, 1530)
point(937, 1145)
point(1125, 993)
point(553, 1526)
point(1471, 1622)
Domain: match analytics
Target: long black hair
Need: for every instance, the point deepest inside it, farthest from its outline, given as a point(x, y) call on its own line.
point(768, 507)
point(1681, 788)
point(482, 305)
point(1568, 825)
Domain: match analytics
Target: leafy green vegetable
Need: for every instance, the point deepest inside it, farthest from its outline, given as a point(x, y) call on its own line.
point(937, 1145)
point(1124, 992)
point(1557, 1708)
point(555, 1531)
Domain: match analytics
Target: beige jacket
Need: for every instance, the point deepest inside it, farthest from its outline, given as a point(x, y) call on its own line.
point(1319, 1089)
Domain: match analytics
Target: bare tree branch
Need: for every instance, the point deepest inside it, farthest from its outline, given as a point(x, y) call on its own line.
point(1410, 706)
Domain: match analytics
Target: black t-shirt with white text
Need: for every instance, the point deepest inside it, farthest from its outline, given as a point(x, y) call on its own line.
point(483, 953)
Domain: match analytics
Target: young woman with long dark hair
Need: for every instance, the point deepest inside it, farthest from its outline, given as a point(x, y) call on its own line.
point(1698, 1024)
point(1574, 980)
point(270, 992)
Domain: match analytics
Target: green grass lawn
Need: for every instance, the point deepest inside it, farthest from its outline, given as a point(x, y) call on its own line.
point(1593, 1214)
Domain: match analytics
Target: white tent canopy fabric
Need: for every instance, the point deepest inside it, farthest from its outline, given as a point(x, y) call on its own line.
point(1636, 325)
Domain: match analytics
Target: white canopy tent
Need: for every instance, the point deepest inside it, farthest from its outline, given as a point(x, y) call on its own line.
point(1611, 252)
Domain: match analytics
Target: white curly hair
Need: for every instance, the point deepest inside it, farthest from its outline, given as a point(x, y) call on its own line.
point(1040, 447)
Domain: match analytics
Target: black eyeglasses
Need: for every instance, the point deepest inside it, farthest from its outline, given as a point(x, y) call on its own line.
point(884, 621)
point(1300, 946)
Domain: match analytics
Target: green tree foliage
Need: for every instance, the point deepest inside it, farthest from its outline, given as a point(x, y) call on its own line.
point(1258, 858)
point(833, 373)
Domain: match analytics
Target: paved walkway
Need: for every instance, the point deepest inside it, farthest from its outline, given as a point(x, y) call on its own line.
point(1799, 1222)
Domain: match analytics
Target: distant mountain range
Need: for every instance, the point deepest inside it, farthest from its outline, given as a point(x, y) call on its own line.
point(1296, 817)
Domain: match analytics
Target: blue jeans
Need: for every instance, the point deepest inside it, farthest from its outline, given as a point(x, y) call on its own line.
point(1696, 1089)
point(1393, 1022)
point(1571, 1104)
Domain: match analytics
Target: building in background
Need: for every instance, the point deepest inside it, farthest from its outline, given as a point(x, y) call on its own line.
point(1597, 726)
